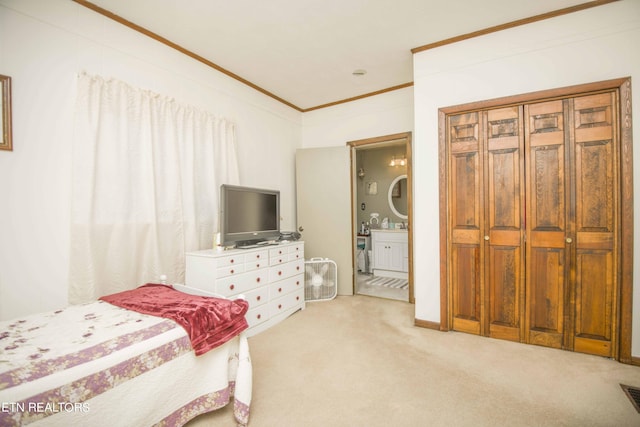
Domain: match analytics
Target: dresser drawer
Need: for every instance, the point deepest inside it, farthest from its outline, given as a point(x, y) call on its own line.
point(257, 297)
point(229, 260)
point(242, 282)
point(255, 260)
point(278, 256)
point(283, 287)
point(230, 270)
point(286, 302)
point(294, 256)
point(206, 284)
point(283, 271)
point(296, 248)
point(257, 315)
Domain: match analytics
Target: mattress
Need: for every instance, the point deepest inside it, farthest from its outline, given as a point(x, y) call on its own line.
point(98, 364)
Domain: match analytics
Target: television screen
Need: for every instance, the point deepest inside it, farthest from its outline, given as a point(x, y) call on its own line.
point(248, 215)
point(252, 211)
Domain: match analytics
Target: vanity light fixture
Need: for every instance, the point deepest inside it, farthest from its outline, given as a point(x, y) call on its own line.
point(397, 162)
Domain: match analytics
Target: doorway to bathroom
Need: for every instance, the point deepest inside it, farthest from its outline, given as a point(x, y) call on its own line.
point(381, 192)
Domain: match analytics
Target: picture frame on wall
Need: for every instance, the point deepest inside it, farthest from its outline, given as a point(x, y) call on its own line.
point(371, 188)
point(6, 142)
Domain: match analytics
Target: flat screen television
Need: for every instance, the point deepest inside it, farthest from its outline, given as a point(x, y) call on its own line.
point(248, 215)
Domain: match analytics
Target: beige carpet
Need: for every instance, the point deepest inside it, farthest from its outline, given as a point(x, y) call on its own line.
point(359, 361)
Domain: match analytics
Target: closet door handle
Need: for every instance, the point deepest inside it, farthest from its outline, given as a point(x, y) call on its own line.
point(486, 238)
point(568, 240)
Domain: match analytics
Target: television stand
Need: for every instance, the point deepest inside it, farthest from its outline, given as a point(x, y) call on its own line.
point(270, 277)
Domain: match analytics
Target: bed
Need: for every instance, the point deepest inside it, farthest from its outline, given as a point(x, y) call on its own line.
point(100, 364)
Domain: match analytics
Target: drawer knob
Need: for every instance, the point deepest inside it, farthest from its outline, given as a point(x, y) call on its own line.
point(232, 261)
point(258, 280)
point(297, 298)
point(297, 282)
point(279, 289)
point(258, 298)
point(258, 316)
point(279, 273)
point(279, 306)
point(232, 271)
point(232, 287)
point(298, 268)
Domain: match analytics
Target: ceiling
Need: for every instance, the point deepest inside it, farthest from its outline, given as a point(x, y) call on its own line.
point(304, 52)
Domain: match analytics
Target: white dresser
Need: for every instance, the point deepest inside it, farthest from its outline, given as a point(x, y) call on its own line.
point(271, 278)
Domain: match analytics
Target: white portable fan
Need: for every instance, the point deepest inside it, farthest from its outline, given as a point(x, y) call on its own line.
point(320, 279)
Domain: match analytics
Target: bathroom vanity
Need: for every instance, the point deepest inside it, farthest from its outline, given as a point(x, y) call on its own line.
point(390, 252)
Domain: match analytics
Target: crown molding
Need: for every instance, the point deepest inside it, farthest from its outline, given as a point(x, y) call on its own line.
point(512, 24)
point(169, 43)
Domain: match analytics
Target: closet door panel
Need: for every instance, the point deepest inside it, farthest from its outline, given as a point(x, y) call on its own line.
point(504, 298)
point(465, 222)
point(466, 199)
point(545, 309)
point(547, 194)
point(596, 188)
point(594, 303)
point(466, 304)
point(504, 202)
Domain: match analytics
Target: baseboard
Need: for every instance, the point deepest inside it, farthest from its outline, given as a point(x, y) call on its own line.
point(427, 324)
point(635, 361)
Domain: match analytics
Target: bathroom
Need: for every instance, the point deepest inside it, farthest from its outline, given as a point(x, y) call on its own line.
point(382, 210)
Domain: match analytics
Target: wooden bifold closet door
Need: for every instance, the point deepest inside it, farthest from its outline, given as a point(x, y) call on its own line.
point(533, 223)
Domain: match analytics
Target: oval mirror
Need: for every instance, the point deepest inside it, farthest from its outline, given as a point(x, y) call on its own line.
point(398, 196)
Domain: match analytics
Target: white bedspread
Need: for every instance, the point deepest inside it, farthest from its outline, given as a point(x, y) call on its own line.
point(101, 365)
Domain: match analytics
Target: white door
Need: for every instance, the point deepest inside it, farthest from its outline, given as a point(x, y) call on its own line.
point(323, 192)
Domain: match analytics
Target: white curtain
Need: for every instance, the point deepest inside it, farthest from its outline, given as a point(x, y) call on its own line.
point(146, 176)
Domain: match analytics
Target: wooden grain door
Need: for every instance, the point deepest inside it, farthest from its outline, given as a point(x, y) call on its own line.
point(546, 174)
point(504, 296)
point(572, 188)
point(486, 222)
point(594, 284)
point(466, 223)
point(547, 223)
point(537, 203)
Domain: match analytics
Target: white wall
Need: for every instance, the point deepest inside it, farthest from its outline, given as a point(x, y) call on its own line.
point(43, 45)
point(593, 45)
point(385, 114)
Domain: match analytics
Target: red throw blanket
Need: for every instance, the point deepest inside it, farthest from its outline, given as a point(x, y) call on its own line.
point(209, 321)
